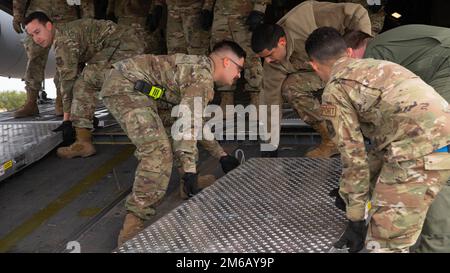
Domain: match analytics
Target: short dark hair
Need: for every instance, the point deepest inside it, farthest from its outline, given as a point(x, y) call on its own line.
point(355, 38)
point(324, 44)
point(38, 15)
point(230, 45)
point(266, 36)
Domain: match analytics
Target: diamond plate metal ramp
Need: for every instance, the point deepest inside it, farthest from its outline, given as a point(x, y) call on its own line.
point(265, 205)
point(22, 143)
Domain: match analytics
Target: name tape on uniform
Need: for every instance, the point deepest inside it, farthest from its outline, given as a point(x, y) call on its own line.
point(328, 110)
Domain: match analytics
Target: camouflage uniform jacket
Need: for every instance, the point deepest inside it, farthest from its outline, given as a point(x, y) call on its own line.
point(187, 3)
point(184, 77)
point(86, 41)
point(56, 10)
point(129, 8)
point(242, 7)
point(402, 116)
point(298, 24)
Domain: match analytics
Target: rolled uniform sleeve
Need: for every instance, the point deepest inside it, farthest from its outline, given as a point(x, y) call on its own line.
point(357, 17)
point(343, 125)
point(67, 59)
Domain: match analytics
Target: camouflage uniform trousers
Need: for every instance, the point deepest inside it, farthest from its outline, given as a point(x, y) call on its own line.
point(139, 25)
point(184, 33)
point(138, 116)
point(84, 96)
point(301, 91)
point(91, 79)
point(435, 236)
point(233, 27)
point(402, 195)
point(167, 121)
point(34, 73)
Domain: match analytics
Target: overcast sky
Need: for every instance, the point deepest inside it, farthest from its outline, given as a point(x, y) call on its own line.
point(16, 84)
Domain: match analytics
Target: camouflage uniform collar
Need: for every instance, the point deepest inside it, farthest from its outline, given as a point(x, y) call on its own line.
point(339, 68)
point(211, 64)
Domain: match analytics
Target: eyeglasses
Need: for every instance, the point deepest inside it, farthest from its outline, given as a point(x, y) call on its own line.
point(240, 67)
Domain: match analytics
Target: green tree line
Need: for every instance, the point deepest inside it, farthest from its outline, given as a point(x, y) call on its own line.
point(10, 100)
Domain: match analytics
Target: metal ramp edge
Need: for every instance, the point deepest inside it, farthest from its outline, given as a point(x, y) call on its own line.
point(22, 143)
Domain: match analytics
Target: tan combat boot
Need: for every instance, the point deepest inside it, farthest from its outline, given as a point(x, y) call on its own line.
point(226, 98)
point(327, 148)
point(58, 104)
point(82, 147)
point(203, 181)
point(131, 226)
point(30, 108)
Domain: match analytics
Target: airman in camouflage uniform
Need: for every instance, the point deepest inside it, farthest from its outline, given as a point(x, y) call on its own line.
point(287, 73)
point(230, 23)
point(98, 43)
point(59, 12)
point(184, 78)
point(406, 121)
point(423, 50)
point(134, 13)
point(184, 32)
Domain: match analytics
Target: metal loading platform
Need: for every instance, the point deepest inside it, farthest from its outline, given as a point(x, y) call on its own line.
point(22, 143)
point(266, 205)
point(26, 140)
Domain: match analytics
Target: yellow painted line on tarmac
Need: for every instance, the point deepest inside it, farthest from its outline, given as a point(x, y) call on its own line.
point(27, 227)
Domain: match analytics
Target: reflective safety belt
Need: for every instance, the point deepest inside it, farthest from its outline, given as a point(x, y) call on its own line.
point(155, 92)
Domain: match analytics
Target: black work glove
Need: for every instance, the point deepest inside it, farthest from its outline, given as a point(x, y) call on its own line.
point(338, 201)
point(254, 19)
point(228, 163)
point(111, 17)
point(206, 19)
point(95, 122)
point(353, 237)
point(68, 132)
point(154, 18)
point(190, 184)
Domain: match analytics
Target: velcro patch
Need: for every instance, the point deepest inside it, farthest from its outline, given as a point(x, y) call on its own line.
point(59, 61)
point(328, 110)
